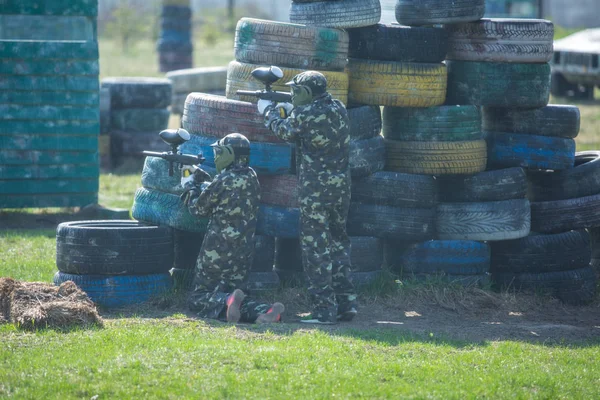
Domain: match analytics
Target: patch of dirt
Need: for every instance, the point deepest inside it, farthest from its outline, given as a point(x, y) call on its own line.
point(470, 315)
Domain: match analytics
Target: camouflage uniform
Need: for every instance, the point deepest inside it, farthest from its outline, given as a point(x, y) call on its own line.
point(231, 202)
point(321, 133)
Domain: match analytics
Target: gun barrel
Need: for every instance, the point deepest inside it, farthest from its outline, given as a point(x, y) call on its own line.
point(277, 97)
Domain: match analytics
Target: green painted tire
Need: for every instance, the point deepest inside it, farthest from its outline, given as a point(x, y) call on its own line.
point(60, 113)
point(43, 50)
point(45, 27)
point(50, 83)
point(155, 176)
point(53, 67)
point(290, 45)
point(49, 142)
point(54, 7)
point(42, 98)
point(48, 200)
point(45, 127)
point(513, 85)
point(46, 157)
point(445, 123)
point(167, 209)
point(50, 186)
point(67, 171)
point(140, 119)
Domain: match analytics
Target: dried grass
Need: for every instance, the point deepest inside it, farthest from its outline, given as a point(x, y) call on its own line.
point(36, 305)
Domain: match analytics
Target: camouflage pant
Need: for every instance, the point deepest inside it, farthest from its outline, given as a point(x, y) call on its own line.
point(326, 253)
point(213, 304)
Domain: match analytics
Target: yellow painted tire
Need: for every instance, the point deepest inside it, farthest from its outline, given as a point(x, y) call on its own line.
point(436, 158)
point(239, 78)
point(396, 84)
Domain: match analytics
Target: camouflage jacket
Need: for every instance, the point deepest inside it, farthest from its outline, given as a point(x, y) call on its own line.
point(321, 133)
point(231, 202)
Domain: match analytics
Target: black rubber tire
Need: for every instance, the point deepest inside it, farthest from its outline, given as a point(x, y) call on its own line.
point(432, 12)
point(278, 221)
point(576, 286)
point(595, 243)
point(183, 279)
point(501, 40)
point(367, 156)
point(362, 279)
point(288, 262)
point(115, 291)
point(186, 247)
point(366, 253)
point(176, 12)
point(506, 150)
point(262, 281)
point(113, 247)
point(494, 220)
point(559, 86)
point(580, 181)
point(264, 254)
point(140, 119)
point(396, 190)
point(365, 122)
point(337, 14)
point(542, 253)
point(290, 45)
point(467, 281)
point(502, 184)
point(398, 43)
point(138, 92)
point(445, 123)
point(211, 115)
point(390, 222)
point(449, 257)
point(514, 85)
point(564, 215)
point(553, 120)
point(165, 209)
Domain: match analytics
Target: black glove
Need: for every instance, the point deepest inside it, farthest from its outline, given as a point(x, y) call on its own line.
point(189, 195)
point(201, 176)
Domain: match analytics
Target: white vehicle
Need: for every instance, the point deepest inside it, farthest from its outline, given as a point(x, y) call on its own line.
point(575, 65)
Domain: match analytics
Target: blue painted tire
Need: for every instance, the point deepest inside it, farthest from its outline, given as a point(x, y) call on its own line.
point(367, 156)
point(182, 47)
point(170, 35)
point(278, 221)
point(119, 290)
point(265, 158)
point(165, 209)
point(175, 24)
point(176, 12)
point(390, 222)
point(449, 257)
point(507, 150)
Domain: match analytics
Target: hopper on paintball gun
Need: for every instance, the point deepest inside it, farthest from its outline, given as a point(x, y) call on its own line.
point(267, 76)
point(174, 138)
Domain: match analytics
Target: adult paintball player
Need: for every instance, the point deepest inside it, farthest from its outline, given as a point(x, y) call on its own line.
point(319, 127)
point(230, 201)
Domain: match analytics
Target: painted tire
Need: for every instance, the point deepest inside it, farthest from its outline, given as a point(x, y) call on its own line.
point(553, 120)
point(337, 14)
point(155, 176)
point(396, 190)
point(366, 156)
point(445, 123)
point(390, 222)
point(239, 78)
point(47, 27)
point(121, 247)
point(46, 112)
point(57, 7)
point(119, 290)
point(278, 221)
point(507, 150)
point(290, 45)
point(494, 220)
point(43, 50)
point(198, 79)
point(432, 12)
point(138, 92)
point(398, 43)
point(502, 40)
point(210, 115)
point(396, 84)
point(543, 253)
point(279, 190)
point(514, 85)
point(448, 257)
point(580, 181)
point(167, 209)
point(436, 158)
point(502, 184)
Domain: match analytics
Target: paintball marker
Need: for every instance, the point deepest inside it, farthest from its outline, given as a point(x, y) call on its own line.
point(268, 76)
point(174, 138)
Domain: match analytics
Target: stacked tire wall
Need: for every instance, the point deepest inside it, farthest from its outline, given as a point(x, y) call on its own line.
point(210, 80)
point(138, 112)
point(49, 118)
point(175, 48)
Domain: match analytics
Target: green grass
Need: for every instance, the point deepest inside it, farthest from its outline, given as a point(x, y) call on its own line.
point(191, 359)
